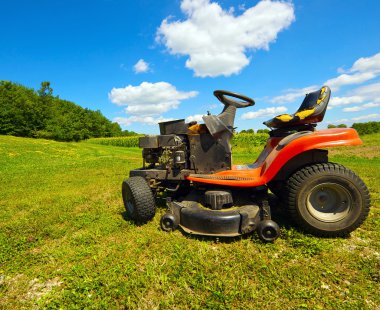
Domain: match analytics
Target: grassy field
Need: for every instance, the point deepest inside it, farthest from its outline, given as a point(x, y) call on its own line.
point(65, 242)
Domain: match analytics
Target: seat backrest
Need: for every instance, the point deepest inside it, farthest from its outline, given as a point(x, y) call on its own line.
point(313, 107)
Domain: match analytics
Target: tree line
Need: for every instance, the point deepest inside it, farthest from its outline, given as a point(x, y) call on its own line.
point(361, 128)
point(25, 112)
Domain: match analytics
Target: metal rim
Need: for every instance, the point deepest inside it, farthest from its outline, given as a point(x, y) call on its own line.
point(329, 202)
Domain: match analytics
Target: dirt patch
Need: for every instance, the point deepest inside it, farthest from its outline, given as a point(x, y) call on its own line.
point(38, 289)
point(361, 151)
point(20, 289)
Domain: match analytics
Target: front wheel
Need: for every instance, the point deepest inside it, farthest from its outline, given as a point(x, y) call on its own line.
point(138, 199)
point(327, 200)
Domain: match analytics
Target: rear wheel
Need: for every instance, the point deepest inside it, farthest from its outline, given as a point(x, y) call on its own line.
point(327, 200)
point(138, 199)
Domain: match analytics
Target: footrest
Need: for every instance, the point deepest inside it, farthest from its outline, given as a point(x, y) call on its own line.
point(220, 177)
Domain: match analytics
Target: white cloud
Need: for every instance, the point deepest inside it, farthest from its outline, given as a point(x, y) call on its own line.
point(293, 94)
point(196, 118)
point(149, 99)
point(367, 64)
point(268, 112)
point(367, 117)
point(359, 95)
point(141, 66)
point(339, 101)
point(216, 41)
point(148, 120)
point(362, 107)
point(363, 70)
point(347, 79)
point(339, 121)
point(369, 92)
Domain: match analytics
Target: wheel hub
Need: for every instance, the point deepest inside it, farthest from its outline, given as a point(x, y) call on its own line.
point(329, 202)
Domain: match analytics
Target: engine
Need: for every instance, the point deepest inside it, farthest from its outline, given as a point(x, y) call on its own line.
point(166, 151)
point(180, 150)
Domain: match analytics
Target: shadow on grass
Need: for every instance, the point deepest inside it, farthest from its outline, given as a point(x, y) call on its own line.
point(281, 216)
point(160, 203)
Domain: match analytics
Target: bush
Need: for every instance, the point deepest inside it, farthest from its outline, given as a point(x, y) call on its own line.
point(246, 139)
point(366, 128)
point(266, 131)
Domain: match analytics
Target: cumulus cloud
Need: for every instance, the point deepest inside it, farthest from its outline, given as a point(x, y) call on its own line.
point(362, 107)
point(148, 120)
point(359, 95)
point(268, 112)
point(339, 121)
point(141, 66)
point(293, 94)
point(149, 99)
point(196, 118)
point(349, 79)
point(367, 117)
point(339, 101)
point(363, 70)
point(369, 92)
point(216, 41)
point(367, 64)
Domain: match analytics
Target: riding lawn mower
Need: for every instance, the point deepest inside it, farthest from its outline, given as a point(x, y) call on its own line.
point(206, 194)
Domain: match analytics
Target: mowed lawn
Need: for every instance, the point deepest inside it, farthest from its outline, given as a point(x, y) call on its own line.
point(65, 242)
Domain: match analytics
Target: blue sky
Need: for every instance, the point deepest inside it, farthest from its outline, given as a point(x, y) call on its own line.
point(141, 62)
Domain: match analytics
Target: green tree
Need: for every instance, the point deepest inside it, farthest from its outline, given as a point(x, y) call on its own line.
point(263, 131)
point(45, 90)
point(367, 128)
point(28, 113)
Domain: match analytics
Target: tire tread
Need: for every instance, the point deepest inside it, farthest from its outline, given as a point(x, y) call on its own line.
point(295, 182)
point(145, 207)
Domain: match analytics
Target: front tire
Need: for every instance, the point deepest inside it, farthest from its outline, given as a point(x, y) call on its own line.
point(327, 200)
point(138, 199)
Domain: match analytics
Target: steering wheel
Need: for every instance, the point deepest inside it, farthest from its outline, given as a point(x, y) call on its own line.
point(221, 95)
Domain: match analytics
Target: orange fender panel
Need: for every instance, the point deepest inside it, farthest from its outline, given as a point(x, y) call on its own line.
point(274, 157)
point(317, 140)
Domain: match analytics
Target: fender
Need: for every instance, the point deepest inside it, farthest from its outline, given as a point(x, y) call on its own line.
point(277, 152)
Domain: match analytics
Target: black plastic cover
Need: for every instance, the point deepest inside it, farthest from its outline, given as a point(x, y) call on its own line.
point(173, 127)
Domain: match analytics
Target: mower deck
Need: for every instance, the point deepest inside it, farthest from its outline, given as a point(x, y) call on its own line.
point(193, 218)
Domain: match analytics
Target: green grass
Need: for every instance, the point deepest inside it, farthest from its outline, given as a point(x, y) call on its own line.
point(65, 242)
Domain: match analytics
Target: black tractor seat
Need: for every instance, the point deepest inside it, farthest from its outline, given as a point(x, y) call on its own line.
point(312, 110)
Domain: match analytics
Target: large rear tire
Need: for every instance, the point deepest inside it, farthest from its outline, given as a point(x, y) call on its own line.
point(138, 199)
point(327, 199)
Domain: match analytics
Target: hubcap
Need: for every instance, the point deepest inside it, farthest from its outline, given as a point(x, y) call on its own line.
point(329, 202)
